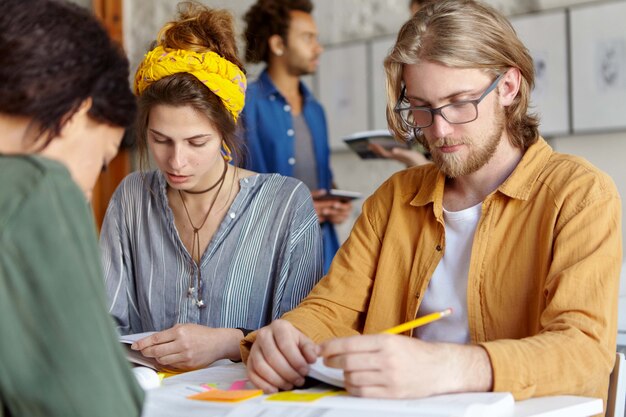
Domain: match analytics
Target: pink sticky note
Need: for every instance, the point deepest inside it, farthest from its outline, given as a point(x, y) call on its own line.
point(238, 385)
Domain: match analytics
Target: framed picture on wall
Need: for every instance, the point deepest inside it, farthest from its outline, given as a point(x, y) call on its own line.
point(545, 36)
point(378, 95)
point(598, 44)
point(342, 89)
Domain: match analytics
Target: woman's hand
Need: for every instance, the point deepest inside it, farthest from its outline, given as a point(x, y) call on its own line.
point(190, 346)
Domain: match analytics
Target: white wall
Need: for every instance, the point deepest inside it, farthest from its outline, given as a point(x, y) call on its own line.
point(606, 151)
point(338, 21)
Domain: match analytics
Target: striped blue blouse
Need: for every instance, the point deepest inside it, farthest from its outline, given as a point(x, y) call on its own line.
point(265, 256)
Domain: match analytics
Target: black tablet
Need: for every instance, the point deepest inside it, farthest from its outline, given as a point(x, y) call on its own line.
point(341, 195)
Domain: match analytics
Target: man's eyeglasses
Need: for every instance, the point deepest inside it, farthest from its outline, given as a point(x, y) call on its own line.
point(460, 112)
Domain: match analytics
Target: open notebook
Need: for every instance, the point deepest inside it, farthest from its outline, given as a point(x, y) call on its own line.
point(470, 404)
point(473, 404)
point(135, 356)
point(323, 373)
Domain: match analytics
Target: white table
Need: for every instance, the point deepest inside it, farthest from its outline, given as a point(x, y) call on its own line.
point(621, 318)
point(621, 321)
point(170, 400)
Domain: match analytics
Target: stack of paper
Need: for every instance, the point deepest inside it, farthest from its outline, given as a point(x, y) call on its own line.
point(135, 356)
point(454, 405)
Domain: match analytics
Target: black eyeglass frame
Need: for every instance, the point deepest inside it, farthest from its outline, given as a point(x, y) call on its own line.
point(397, 109)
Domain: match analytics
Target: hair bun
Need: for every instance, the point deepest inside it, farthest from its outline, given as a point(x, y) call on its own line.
point(201, 29)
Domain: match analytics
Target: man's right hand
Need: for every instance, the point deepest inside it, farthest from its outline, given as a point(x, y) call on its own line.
point(280, 357)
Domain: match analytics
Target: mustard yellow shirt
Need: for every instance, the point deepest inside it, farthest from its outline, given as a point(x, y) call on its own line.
point(543, 278)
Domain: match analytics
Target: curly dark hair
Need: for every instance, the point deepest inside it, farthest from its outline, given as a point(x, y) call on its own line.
point(265, 19)
point(55, 55)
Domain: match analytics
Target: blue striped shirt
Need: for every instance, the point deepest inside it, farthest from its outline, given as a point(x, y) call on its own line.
point(265, 256)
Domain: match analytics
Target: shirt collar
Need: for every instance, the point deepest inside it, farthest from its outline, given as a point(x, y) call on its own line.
point(523, 178)
point(431, 187)
point(430, 190)
point(518, 185)
point(268, 87)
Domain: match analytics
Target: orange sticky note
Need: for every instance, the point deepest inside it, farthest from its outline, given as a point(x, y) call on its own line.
point(226, 396)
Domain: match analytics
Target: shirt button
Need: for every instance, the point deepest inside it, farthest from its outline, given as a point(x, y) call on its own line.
point(292, 161)
point(287, 107)
point(272, 97)
point(290, 132)
point(232, 215)
point(438, 248)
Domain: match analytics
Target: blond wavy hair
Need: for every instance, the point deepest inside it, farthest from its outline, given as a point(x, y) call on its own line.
point(463, 34)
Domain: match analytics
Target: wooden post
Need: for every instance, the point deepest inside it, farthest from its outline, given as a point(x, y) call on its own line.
point(110, 14)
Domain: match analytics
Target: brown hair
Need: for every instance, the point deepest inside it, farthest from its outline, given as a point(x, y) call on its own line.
point(55, 55)
point(198, 29)
point(265, 19)
point(464, 34)
point(417, 3)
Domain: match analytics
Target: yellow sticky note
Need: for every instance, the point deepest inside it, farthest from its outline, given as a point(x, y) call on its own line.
point(167, 374)
point(226, 396)
point(301, 396)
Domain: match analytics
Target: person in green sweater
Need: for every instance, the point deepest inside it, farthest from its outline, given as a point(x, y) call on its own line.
point(64, 104)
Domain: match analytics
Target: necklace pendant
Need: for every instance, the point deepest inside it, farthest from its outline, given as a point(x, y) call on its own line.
point(200, 303)
point(190, 291)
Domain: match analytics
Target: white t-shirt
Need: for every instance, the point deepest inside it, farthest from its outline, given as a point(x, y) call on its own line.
point(448, 285)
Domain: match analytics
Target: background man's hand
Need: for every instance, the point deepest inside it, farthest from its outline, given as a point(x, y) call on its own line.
point(335, 211)
point(408, 157)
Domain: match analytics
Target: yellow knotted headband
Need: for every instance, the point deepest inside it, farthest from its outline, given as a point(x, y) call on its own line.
point(221, 76)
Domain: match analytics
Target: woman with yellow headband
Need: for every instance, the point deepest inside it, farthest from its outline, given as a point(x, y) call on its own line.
point(199, 250)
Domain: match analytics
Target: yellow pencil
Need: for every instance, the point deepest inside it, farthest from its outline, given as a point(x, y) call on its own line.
point(418, 322)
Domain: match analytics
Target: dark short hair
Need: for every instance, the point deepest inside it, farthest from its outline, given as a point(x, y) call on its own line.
point(55, 55)
point(267, 18)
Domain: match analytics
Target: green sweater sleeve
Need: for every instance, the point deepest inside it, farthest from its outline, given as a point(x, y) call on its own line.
point(60, 355)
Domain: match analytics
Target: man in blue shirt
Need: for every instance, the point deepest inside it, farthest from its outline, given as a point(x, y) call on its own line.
point(285, 127)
